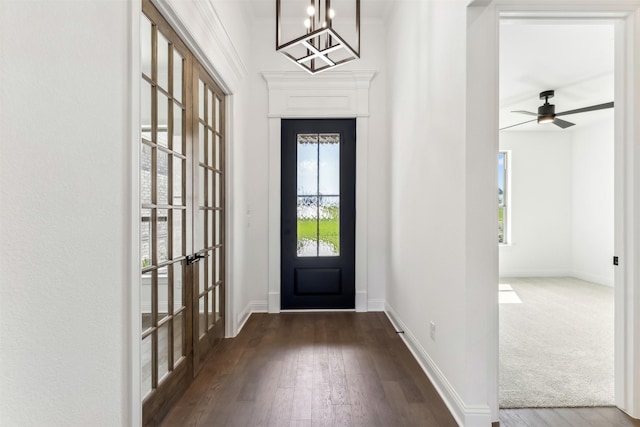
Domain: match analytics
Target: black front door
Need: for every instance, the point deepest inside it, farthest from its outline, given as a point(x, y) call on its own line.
point(318, 214)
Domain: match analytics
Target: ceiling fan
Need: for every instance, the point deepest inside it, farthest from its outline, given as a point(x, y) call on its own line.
point(547, 112)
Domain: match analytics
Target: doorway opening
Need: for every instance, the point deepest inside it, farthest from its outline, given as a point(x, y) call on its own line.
point(557, 280)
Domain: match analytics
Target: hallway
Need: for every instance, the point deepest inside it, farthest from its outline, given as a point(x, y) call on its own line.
point(303, 369)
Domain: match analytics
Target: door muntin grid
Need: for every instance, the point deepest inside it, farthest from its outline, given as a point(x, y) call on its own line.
point(209, 238)
point(163, 206)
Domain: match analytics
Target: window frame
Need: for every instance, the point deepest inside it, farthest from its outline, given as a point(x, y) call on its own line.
point(505, 205)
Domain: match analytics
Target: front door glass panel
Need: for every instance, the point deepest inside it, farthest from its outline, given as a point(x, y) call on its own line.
point(318, 198)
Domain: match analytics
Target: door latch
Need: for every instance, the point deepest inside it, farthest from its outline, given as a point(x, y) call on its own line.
point(191, 259)
point(615, 260)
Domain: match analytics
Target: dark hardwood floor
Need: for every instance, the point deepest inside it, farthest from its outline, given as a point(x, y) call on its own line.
point(566, 417)
point(312, 369)
point(334, 369)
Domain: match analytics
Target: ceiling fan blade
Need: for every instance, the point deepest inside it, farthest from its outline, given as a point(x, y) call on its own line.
point(586, 109)
point(525, 112)
point(562, 123)
point(528, 121)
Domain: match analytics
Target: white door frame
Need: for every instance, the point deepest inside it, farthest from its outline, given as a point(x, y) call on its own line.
point(482, 118)
point(339, 94)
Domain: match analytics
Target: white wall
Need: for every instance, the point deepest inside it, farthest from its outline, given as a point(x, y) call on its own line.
point(561, 203)
point(427, 73)
point(64, 205)
point(592, 237)
point(541, 204)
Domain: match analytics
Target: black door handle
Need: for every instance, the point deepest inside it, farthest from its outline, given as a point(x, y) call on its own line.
point(191, 259)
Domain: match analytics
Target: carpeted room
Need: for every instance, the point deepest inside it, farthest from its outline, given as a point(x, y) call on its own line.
point(557, 309)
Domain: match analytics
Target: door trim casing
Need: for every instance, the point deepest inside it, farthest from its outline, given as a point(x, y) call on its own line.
point(343, 94)
point(482, 108)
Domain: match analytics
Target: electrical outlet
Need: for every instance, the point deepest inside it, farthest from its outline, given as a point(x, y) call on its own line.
point(433, 330)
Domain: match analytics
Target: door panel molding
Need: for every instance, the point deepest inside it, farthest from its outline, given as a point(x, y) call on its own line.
point(343, 94)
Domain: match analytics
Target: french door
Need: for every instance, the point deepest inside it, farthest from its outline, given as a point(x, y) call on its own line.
point(182, 215)
point(208, 167)
point(318, 214)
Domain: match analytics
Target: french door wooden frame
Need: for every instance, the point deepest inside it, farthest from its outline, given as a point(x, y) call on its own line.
point(182, 295)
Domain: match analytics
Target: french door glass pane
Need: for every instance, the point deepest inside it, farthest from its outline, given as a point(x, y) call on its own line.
point(162, 184)
point(210, 229)
point(146, 237)
point(163, 293)
point(218, 160)
point(163, 120)
point(178, 296)
point(177, 233)
point(177, 180)
point(209, 107)
point(163, 235)
point(178, 64)
point(218, 191)
point(217, 298)
point(210, 309)
point(145, 365)
point(210, 269)
point(145, 45)
point(163, 61)
point(202, 279)
point(178, 338)
point(210, 189)
point(146, 316)
point(145, 174)
point(199, 237)
point(177, 129)
point(145, 109)
point(218, 231)
point(202, 328)
point(163, 351)
point(218, 114)
point(202, 133)
point(217, 266)
point(201, 100)
point(210, 148)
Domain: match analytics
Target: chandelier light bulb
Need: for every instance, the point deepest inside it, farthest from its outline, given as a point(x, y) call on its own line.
point(311, 11)
point(324, 24)
point(307, 23)
point(332, 13)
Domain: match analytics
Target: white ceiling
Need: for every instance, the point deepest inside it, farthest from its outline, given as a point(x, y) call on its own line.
point(576, 60)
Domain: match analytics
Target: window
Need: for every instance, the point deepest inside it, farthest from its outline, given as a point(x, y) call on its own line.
point(503, 200)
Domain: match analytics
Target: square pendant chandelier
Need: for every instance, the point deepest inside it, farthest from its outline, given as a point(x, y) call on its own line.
point(316, 46)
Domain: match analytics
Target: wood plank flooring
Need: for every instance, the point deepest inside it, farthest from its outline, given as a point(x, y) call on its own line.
point(566, 417)
point(312, 369)
point(334, 369)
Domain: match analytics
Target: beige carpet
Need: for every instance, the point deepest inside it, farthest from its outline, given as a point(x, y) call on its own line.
point(556, 345)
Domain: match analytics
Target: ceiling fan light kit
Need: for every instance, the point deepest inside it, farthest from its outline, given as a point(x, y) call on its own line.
point(547, 112)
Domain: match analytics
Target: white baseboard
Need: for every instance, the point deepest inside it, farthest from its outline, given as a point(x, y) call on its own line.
point(251, 307)
point(594, 278)
point(465, 416)
point(536, 273)
point(376, 305)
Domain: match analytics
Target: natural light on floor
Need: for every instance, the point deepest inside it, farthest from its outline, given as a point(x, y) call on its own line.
point(507, 295)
